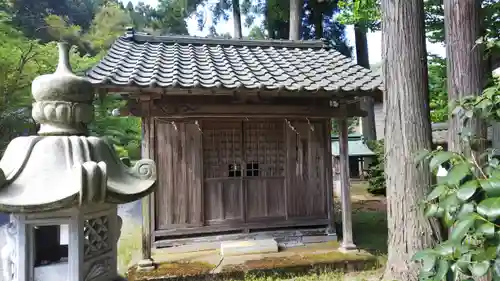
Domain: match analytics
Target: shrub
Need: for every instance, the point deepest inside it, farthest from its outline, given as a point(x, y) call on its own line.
point(376, 175)
point(467, 200)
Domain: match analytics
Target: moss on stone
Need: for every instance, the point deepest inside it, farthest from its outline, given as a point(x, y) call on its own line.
point(334, 260)
point(171, 269)
point(295, 263)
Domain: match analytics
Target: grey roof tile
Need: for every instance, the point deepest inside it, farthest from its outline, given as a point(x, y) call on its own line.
point(148, 61)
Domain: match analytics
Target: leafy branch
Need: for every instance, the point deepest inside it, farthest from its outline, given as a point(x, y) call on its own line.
point(467, 199)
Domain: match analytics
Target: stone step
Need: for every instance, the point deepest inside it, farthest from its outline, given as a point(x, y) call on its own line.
point(247, 247)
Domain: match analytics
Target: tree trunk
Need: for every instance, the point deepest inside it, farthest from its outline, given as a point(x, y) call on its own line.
point(465, 66)
point(362, 58)
point(465, 72)
point(368, 123)
point(237, 19)
point(408, 131)
point(295, 19)
point(318, 20)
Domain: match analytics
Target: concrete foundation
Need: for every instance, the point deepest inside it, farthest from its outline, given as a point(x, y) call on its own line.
point(236, 248)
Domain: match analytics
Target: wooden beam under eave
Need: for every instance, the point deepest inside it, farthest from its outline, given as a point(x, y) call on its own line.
point(172, 110)
point(340, 95)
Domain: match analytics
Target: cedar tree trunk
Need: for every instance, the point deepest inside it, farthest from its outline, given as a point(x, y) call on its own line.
point(368, 123)
point(465, 70)
point(362, 58)
point(295, 19)
point(407, 132)
point(317, 13)
point(465, 66)
point(237, 19)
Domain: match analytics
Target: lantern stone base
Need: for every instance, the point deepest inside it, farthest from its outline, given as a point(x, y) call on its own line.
point(51, 271)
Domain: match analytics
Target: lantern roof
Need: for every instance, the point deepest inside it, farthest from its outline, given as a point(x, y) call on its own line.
point(63, 167)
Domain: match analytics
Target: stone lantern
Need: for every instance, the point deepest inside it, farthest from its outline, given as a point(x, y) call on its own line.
point(65, 185)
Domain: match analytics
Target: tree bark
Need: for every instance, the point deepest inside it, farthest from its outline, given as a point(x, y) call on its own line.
point(466, 71)
point(465, 66)
point(368, 122)
point(237, 19)
point(295, 19)
point(362, 58)
point(318, 20)
point(408, 131)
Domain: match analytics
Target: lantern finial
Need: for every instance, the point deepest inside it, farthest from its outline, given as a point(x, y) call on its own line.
point(63, 101)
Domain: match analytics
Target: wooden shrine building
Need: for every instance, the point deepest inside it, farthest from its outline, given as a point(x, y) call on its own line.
point(239, 129)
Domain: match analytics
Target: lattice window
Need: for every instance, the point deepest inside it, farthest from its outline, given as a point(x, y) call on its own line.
point(222, 155)
point(252, 169)
point(264, 148)
point(243, 148)
point(96, 236)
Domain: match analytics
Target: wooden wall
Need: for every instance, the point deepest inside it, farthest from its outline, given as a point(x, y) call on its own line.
point(219, 175)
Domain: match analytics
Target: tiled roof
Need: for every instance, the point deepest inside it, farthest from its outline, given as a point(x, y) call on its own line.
point(138, 60)
point(354, 147)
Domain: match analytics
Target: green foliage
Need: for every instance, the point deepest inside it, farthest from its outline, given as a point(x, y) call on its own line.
point(365, 13)
point(467, 199)
point(171, 15)
point(437, 89)
point(109, 23)
point(434, 20)
point(123, 132)
point(376, 174)
point(22, 59)
point(485, 106)
point(257, 33)
point(352, 125)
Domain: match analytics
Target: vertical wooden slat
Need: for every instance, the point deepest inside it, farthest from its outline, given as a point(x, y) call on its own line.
point(321, 173)
point(347, 237)
point(266, 202)
point(243, 184)
point(170, 175)
point(152, 156)
point(311, 180)
point(222, 208)
point(291, 168)
point(329, 178)
point(195, 171)
point(184, 184)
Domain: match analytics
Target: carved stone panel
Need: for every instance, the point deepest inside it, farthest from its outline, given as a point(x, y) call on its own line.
point(96, 240)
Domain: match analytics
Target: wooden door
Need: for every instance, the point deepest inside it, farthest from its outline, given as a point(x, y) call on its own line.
point(223, 171)
point(264, 161)
point(179, 194)
point(306, 176)
point(244, 171)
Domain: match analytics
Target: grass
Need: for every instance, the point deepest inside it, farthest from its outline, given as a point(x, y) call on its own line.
point(369, 228)
point(129, 246)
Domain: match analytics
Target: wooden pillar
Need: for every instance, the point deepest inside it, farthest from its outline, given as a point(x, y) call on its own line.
point(347, 240)
point(329, 179)
point(147, 263)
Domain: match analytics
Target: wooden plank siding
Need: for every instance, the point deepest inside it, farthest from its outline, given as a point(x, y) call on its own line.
point(179, 193)
point(217, 175)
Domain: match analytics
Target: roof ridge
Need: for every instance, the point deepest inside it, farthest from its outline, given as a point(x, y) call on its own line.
point(140, 37)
